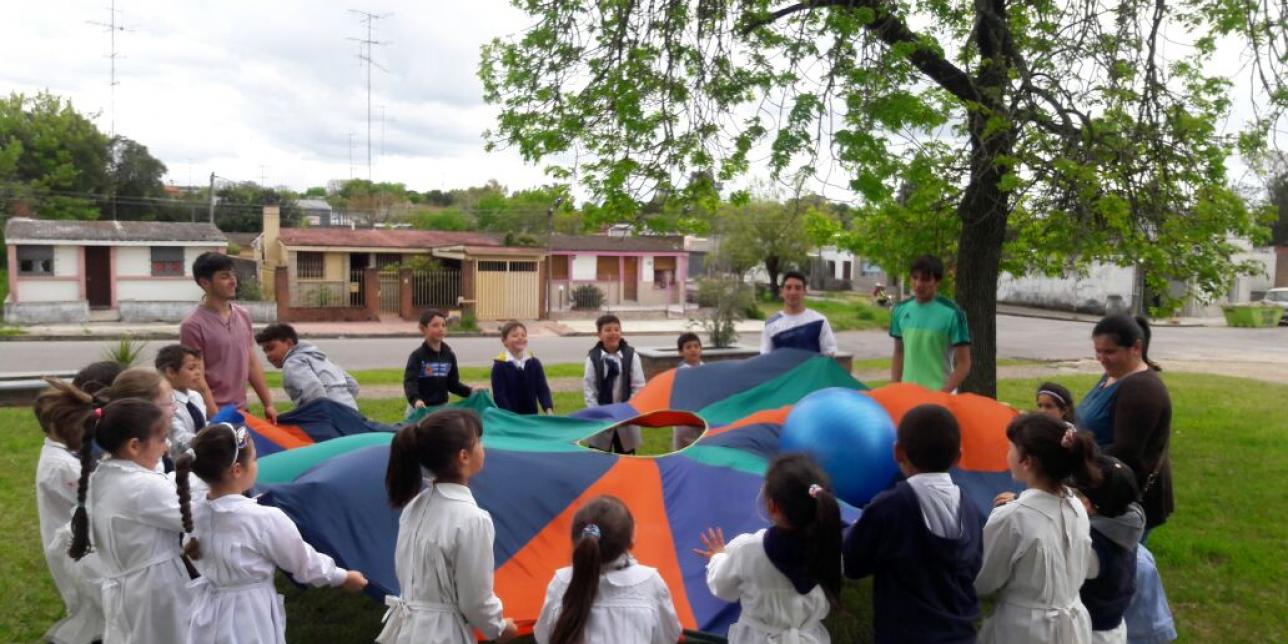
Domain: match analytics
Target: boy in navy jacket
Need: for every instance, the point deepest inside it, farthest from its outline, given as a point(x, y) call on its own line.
point(922, 539)
point(518, 379)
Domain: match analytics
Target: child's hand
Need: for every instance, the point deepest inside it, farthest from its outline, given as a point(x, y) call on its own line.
point(508, 633)
point(1003, 499)
point(714, 541)
point(418, 404)
point(354, 581)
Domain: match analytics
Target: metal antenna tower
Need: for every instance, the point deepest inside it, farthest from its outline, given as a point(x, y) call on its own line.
point(364, 54)
point(111, 27)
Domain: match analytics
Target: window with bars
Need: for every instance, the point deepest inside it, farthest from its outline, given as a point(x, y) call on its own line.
point(35, 260)
point(309, 266)
point(167, 261)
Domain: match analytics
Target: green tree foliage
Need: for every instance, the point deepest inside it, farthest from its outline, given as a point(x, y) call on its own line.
point(1277, 198)
point(1060, 133)
point(53, 160)
point(240, 207)
point(764, 233)
point(137, 192)
point(444, 219)
point(380, 201)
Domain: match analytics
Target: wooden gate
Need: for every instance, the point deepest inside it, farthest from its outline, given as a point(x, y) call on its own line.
point(507, 290)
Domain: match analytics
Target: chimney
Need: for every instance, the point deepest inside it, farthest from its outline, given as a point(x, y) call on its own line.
point(272, 249)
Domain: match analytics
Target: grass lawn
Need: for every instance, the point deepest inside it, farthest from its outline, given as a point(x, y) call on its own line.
point(846, 312)
point(1221, 555)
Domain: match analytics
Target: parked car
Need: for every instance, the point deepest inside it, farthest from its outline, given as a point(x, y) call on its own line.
point(1279, 297)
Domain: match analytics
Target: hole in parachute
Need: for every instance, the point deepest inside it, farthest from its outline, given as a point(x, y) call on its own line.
point(660, 431)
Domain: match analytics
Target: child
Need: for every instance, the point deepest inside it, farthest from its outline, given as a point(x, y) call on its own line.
point(221, 331)
point(931, 337)
point(789, 576)
point(307, 375)
point(134, 516)
point(921, 540)
point(181, 366)
point(690, 346)
point(797, 327)
point(518, 379)
point(444, 554)
point(605, 595)
point(63, 411)
point(238, 545)
point(605, 384)
point(431, 369)
point(1054, 400)
point(1117, 524)
point(97, 376)
point(1037, 547)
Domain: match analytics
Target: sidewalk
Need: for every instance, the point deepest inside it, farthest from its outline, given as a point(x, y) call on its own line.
point(1048, 314)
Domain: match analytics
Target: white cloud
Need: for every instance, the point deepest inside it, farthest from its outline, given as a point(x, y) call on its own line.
point(228, 87)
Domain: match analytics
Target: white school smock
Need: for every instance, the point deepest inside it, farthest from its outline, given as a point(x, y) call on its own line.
point(632, 606)
point(1037, 553)
point(57, 476)
point(135, 528)
point(772, 610)
point(183, 427)
point(242, 544)
point(444, 565)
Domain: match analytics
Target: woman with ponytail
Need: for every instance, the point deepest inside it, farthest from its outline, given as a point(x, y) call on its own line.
point(443, 558)
point(1130, 411)
point(789, 576)
point(63, 412)
point(1037, 546)
point(130, 514)
point(606, 596)
point(237, 546)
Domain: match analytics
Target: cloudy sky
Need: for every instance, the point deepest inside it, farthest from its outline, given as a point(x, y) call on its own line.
point(274, 89)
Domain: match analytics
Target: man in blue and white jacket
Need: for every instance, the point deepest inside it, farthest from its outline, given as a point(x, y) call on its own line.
point(796, 327)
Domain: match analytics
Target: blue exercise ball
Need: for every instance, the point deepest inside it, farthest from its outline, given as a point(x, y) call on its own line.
point(850, 435)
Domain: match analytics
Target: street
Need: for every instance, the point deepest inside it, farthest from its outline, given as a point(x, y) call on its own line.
point(1018, 337)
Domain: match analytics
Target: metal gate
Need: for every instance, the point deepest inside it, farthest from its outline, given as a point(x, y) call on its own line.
point(507, 290)
point(389, 292)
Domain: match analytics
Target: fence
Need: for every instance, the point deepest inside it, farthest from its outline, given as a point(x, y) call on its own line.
point(320, 294)
point(357, 288)
point(389, 292)
point(438, 289)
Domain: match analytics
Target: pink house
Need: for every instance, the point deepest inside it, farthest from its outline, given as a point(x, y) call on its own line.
point(632, 271)
point(72, 271)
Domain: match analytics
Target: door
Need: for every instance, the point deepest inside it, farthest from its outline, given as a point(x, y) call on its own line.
point(98, 276)
point(507, 290)
point(631, 279)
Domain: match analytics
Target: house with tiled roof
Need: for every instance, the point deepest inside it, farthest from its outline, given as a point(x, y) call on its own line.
point(75, 271)
point(631, 271)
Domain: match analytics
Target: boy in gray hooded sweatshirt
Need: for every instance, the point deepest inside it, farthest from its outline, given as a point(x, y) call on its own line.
point(307, 375)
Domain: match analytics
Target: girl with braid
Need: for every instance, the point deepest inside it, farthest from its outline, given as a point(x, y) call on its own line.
point(238, 544)
point(133, 517)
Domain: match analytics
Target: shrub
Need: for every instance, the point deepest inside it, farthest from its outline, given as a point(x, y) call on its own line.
point(732, 299)
point(467, 322)
point(126, 352)
point(587, 296)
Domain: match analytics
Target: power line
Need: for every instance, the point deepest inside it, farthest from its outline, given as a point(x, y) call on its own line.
point(369, 19)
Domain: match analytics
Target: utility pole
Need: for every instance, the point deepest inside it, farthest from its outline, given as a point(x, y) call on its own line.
point(212, 197)
point(366, 56)
point(351, 156)
point(111, 27)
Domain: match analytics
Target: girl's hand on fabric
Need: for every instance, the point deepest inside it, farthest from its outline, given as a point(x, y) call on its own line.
point(418, 404)
point(354, 581)
point(714, 542)
point(1003, 499)
point(509, 632)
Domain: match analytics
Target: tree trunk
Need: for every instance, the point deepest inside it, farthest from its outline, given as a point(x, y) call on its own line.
point(984, 207)
point(771, 268)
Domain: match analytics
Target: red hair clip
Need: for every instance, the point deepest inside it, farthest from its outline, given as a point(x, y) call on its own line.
point(98, 412)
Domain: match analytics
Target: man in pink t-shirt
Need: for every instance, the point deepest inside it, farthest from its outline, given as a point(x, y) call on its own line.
point(221, 330)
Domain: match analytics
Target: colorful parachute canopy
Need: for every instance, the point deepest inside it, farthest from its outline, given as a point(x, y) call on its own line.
point(328, 475)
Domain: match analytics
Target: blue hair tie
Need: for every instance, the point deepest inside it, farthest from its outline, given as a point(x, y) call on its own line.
point(591, 530)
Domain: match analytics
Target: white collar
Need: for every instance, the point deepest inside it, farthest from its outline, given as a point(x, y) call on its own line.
point(625, 571)
point(126, 465)
point(932, 479)
point(230, 502)
point(183, 396)
point(49, 442)
point(454, 491)
point(519, 360)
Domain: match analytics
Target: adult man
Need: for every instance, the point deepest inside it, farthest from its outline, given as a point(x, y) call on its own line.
point(796, 327)
point(221, 331)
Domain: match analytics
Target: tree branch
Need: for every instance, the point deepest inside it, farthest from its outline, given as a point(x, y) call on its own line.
point(891, 31)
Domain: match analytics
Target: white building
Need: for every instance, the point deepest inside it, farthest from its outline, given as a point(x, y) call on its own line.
point(61, 271)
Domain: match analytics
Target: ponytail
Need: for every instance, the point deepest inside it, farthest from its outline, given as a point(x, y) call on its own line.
point(80, 518)
point(587, 564)
point(1084, 453)
point(432, 444)
point(1145, 334)
point(824, 539)
point(1062, 453)
point(602, 531)
point(182, 467)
